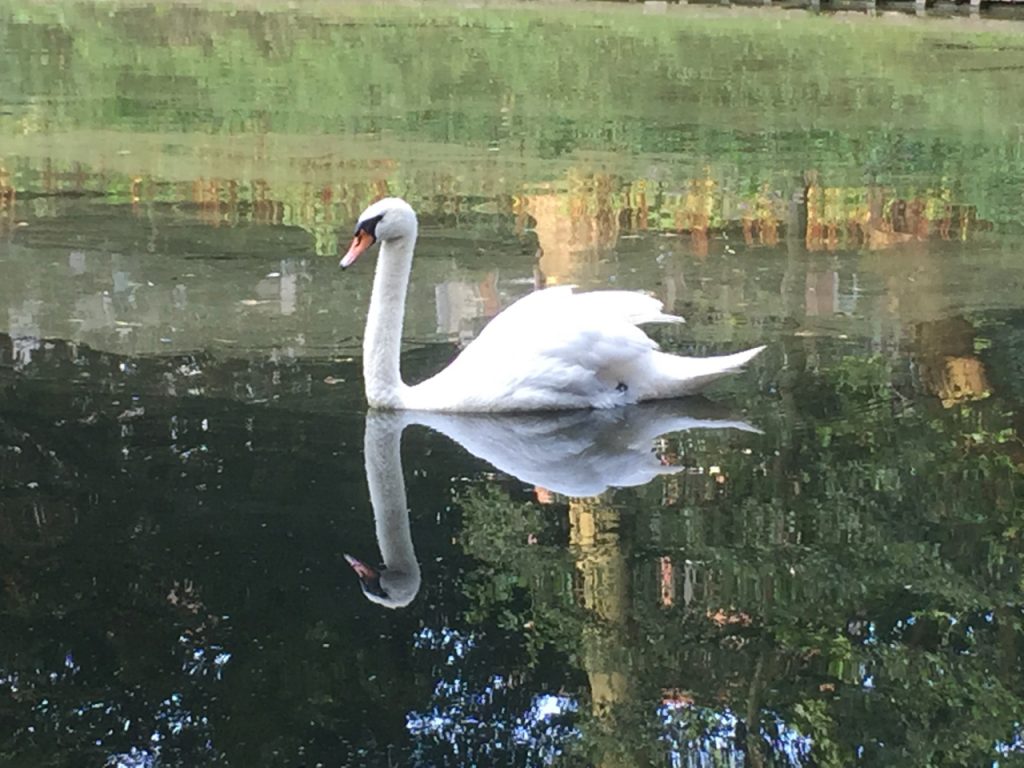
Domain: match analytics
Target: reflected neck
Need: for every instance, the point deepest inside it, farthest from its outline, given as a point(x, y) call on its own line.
point(382, 344)
point(382, 446)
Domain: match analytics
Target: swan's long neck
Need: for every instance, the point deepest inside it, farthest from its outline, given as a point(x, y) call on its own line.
point(382, 343)
point(382, 446)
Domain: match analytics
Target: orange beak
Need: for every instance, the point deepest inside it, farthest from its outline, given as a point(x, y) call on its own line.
point(360, 243)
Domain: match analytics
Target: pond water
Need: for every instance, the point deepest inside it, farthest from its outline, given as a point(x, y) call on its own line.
point(818, 563)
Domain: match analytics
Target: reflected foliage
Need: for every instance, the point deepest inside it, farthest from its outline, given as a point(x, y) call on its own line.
point(816, 594)
point(828, 591)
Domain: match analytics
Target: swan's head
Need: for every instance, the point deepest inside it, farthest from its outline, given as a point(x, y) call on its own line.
point(392, 589)
point(389, 219)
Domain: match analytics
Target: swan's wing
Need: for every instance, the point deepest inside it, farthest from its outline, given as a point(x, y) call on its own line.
point(558, 349)
point(630, 306)
point(562, 304)
point(578, 344)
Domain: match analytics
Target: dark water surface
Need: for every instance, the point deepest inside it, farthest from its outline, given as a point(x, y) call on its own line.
point(818, 564)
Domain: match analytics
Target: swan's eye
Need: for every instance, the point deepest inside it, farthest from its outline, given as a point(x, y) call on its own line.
point(369, 226)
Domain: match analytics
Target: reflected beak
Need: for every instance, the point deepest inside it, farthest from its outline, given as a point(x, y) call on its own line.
point(360, 243)
point(368, 577)
point(363, 571)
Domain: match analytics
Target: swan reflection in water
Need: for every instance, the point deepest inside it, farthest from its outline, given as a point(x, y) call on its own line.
point(573, 453)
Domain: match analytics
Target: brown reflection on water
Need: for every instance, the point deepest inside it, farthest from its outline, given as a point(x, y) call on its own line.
point(602, 587)
point(877, 217)
point(8, 196)
point(321, 209)
point(948, 366)
point(601, 570)
point(578, 219)
point(576, 228)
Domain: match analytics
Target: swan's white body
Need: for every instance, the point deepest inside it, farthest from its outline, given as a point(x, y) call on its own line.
point(552, 350)
point(581, 453)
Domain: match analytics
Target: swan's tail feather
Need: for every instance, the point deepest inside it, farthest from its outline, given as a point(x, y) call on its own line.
point(681, 376)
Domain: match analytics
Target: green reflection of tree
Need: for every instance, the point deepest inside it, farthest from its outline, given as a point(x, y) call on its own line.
point(855, 579)
point(521, 548)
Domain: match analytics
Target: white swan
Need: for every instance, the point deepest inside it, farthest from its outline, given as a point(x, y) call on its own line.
point(578, 453)
point(552, 350)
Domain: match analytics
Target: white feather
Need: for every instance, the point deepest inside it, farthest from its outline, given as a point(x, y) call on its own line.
point(558, 349)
